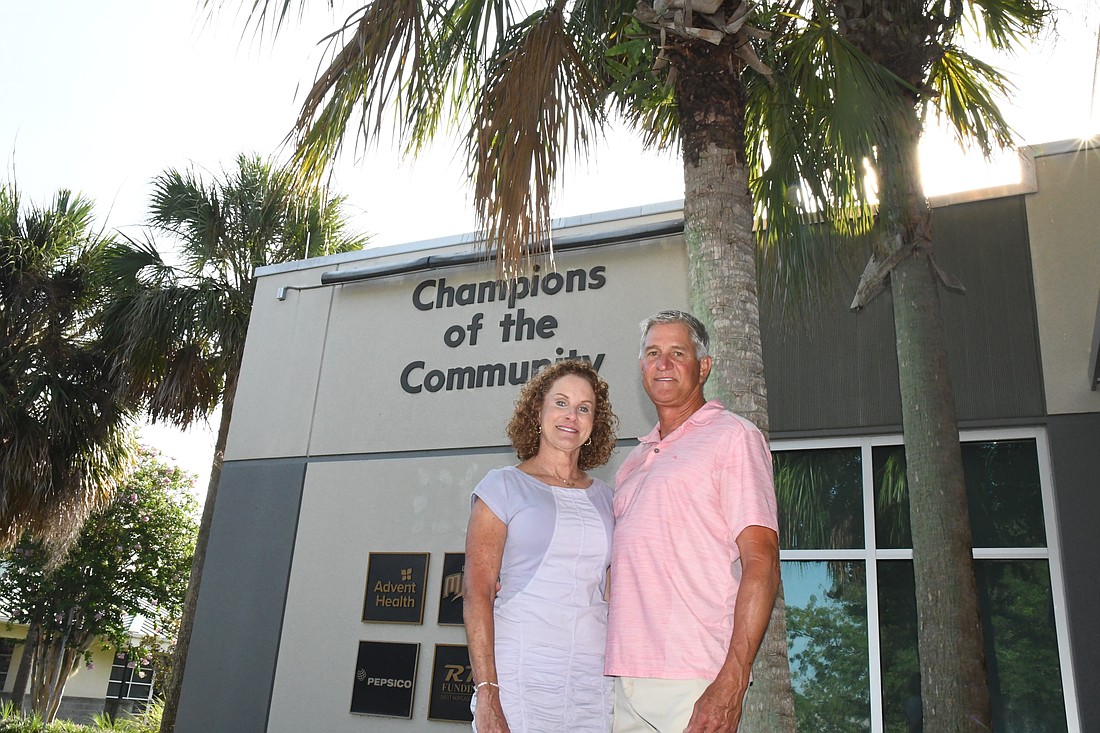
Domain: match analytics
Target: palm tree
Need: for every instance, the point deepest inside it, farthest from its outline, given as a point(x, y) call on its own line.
point(65, 434)
point(178, 330)
point(917, 44)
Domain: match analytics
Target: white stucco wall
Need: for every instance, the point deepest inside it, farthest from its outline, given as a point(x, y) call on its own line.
point(1064, 228)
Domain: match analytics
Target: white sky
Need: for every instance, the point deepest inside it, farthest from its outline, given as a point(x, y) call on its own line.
point(100, 97)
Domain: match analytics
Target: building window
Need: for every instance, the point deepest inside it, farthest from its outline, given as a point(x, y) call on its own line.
point(7, 648)
point(130, 680)
point(846, 551)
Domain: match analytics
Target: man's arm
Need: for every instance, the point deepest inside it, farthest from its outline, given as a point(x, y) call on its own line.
point(718, 710)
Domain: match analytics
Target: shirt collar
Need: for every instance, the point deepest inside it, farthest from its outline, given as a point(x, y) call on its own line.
point(704, 415)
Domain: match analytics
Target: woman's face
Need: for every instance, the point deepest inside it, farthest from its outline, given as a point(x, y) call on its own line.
point(568, 411)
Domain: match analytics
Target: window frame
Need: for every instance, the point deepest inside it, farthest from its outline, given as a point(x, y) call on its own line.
point(870, 554)
point(7, 649)
point(121, 660)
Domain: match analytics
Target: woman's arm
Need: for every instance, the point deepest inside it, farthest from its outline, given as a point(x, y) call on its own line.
point(485, 537)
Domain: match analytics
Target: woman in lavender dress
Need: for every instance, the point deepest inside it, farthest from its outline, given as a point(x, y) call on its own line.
point(537, 551)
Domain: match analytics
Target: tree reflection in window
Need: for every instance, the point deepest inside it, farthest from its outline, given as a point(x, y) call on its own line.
point(827, 644)
point(1002, 487)
point(820, 498)
point(897, 608)
point(1021, 645)
point(820, 495)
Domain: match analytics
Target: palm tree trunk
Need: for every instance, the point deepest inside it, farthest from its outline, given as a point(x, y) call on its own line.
point(718, 218)
point(183, 639)
point(954, 691)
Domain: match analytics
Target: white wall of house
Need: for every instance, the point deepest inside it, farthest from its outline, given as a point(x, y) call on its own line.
point(85, 682)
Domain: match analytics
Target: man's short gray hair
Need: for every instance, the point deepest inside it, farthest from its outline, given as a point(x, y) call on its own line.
point(695, 327)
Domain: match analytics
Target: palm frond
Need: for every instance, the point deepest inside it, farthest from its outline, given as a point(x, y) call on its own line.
point(264, 16)
point(62, 421)
point(640, 89)
point(182, 203)
point(176, 331)
point(966, 89)
point(539, 101)
point(1004, 23)
point(812, 132)
point(461, 37)
point(129, 260)
point(367, 72)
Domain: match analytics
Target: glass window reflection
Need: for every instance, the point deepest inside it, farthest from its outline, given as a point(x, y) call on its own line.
point(1002, 486)
point(1021, 645)
point(820, 495)
point(827, 643)
point(892, 529)
point(1005, 497)
point(897, 608)
point(821, 501)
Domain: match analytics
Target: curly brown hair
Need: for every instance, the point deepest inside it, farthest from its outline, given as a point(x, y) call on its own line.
point(523, 428)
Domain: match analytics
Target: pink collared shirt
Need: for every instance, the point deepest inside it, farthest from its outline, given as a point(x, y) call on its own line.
point(680, 504)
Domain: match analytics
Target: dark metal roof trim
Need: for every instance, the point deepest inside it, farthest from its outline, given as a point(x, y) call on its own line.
point(561, 244)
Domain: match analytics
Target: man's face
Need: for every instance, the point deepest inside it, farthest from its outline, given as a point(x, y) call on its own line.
point(671, 373)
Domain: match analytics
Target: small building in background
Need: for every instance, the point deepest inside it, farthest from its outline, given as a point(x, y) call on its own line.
point(113, 684)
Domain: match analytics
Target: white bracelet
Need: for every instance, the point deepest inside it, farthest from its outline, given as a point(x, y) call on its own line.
point(479, 685)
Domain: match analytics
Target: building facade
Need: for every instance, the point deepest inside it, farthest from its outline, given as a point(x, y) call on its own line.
point(374, 394)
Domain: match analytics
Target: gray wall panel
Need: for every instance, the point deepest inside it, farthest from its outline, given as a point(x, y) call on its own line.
point(235, 641)
point(992, 335)
point(838, 372)
point(1074, 440)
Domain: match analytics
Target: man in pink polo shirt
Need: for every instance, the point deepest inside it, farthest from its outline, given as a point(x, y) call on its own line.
point(695, 554)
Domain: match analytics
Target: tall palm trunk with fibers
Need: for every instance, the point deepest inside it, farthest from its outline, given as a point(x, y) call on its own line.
point(718, 217)
point(955, 692)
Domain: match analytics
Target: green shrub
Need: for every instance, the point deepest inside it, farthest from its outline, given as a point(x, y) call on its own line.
point(147, 722)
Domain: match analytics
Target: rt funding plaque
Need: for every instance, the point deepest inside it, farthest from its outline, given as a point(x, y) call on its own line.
point(452, 684)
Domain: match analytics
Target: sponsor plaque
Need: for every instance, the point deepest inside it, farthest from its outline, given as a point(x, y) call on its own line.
point(385, 676)
point(450, 592)
point(452, 684)
point(395, 587)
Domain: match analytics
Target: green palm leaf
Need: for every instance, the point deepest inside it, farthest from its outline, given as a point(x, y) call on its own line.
point(64, 430)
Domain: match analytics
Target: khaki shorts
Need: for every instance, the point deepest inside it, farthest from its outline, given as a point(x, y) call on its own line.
point(644, 705)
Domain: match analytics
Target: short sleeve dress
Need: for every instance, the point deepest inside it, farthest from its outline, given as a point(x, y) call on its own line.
point(550, 615)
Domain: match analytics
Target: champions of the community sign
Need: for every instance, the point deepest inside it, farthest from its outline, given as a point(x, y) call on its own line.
point(523, 321)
